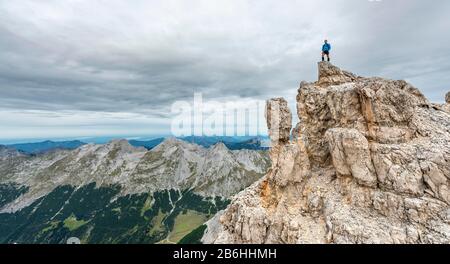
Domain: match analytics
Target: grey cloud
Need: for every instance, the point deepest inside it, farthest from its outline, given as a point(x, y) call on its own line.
point(124, 56)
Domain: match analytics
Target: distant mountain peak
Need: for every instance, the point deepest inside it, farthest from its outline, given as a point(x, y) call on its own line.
point(123, 143)
point(220, 146)
point(171, 142)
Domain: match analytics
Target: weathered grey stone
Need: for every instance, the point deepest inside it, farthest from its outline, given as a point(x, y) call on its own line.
point(369, 163)
point(446, 106)
point(332, 75)
point(279, 120)
point(351, 155)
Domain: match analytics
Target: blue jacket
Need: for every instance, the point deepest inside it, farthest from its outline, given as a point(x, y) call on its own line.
point(326, 47)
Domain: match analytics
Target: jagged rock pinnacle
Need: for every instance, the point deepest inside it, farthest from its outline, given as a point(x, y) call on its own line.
point(447, 98)
point(279, 120)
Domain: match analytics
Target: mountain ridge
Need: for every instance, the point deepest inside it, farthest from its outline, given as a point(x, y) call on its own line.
point(40, 147)
point(118, 162)
point(234, 143)
point(118, 193)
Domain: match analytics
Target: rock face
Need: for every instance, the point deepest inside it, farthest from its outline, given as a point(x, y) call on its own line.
point(369, 163)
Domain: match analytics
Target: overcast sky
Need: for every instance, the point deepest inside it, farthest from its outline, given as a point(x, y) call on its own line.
point(74, 68)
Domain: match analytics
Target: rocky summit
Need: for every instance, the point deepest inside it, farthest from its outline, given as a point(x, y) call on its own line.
point(368, 162)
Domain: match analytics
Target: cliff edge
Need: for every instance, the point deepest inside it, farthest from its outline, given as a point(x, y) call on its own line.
point(368, 162)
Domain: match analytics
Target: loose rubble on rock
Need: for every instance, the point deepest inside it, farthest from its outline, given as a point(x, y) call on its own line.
point(369, 162)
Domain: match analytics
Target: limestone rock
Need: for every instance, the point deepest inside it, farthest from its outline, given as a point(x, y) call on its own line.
point(446, 106)
point(332, 75)
point(369, 162)
point(279, 120)
point(351, 155)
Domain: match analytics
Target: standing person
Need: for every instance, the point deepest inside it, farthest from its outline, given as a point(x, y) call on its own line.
point(326, 50)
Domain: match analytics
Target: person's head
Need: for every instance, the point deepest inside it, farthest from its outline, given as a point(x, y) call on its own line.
point(326, 41)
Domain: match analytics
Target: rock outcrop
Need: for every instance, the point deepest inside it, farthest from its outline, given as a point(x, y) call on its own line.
point(279, 120)
point(446, 106)
point(369, 162)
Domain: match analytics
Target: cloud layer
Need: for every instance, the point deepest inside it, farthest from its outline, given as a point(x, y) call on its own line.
point(135, 58)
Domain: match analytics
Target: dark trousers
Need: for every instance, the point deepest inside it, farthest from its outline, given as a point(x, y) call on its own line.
point(325, 53)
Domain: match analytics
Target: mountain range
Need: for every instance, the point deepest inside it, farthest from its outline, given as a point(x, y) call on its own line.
point(119, 193)
point(233, 143)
